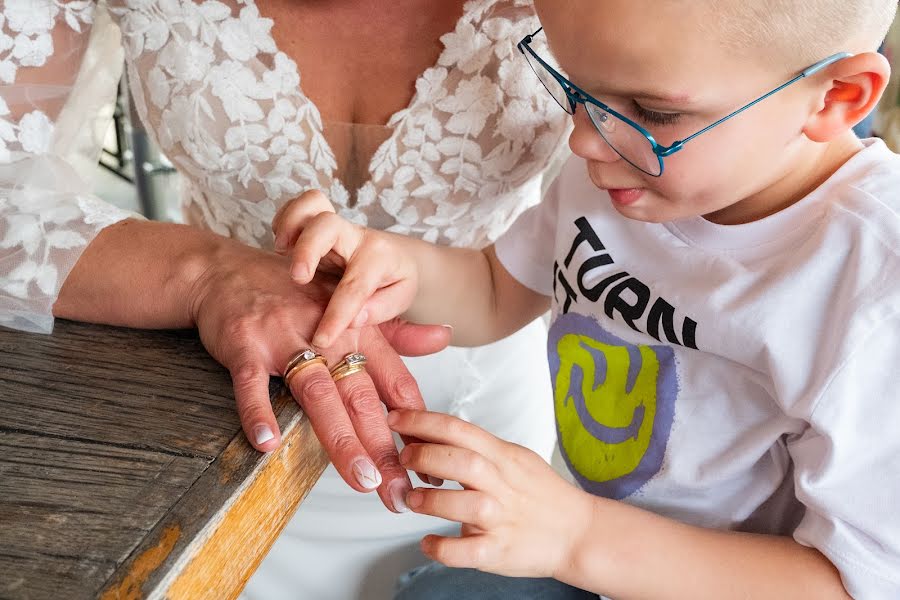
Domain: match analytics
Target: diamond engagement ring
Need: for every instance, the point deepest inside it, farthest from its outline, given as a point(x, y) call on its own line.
point(300, 361)
point(352, 363)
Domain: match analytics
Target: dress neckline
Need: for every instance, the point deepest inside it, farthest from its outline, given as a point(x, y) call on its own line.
point(395, 121)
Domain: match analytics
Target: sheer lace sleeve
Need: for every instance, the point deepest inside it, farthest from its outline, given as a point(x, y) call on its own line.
point(60, 62)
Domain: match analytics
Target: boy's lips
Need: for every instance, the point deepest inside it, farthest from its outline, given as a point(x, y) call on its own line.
point(620, 195)
point(625, 196)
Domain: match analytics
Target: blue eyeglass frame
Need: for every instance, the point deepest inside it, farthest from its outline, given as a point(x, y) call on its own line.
point(578, 96)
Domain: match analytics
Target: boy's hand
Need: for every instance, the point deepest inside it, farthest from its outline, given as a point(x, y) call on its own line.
point(519, 518)
point(378, 281)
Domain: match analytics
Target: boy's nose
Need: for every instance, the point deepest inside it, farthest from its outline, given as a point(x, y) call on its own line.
point(586, 142)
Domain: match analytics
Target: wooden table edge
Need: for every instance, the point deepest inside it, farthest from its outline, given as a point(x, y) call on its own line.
point(216, 561)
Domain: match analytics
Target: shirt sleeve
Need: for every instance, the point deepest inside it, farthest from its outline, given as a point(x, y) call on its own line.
point(528, 247)
point(847, 468)
point(59, 67)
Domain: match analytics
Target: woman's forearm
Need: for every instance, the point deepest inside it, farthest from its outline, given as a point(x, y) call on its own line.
point(631, 553)
point(140, 274)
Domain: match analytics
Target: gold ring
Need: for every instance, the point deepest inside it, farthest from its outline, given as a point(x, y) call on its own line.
point(352, 363)
point(300, 361)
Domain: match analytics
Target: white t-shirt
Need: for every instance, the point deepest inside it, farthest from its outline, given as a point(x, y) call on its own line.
point(740, 377)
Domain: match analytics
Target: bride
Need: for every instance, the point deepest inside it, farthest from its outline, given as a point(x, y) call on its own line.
point(414, 116)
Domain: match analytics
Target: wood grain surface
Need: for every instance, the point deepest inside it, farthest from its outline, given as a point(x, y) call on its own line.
point(124, 472)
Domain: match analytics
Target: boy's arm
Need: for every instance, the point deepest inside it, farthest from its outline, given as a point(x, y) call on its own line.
point(627, 552)
point(471, 291)
point(384, 275)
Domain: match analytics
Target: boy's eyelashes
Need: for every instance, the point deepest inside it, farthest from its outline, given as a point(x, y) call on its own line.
point(652, 117)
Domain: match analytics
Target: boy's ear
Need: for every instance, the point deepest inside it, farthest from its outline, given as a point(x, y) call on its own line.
point(851, 88)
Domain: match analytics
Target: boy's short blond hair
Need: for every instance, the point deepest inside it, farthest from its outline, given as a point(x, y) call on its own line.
point(800, 32)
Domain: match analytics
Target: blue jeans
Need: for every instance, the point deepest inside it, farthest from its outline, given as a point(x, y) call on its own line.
point(437, 582)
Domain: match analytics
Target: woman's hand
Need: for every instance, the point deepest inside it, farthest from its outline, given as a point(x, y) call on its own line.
point(253, 318)
point(378, 279)
point(519, 518)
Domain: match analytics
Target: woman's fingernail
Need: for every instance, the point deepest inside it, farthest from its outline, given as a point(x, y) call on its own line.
point(415, 498)
point(392, 417)
point(398, 497)
point(448, 328)
point(435, 481)
point(262, 434)
point(366, 474)
point(298, 272)
point(280, 246)
point(320, 340)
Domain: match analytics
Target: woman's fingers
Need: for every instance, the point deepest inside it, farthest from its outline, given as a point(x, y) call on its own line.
point(367, 415)
point(395, 385)
point(251, 392)
point(471, 507)
point(315, 391)
point(291, 217)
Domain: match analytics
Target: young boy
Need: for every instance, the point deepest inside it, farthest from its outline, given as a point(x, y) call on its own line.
point(725, 315)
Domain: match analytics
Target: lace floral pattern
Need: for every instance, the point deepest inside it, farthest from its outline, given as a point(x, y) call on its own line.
point(47, 215)
point(227, 107)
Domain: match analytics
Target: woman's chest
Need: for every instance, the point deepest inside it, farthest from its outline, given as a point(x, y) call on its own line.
point(359, 60)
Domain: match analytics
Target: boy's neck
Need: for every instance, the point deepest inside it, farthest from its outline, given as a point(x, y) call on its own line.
point(811, 169)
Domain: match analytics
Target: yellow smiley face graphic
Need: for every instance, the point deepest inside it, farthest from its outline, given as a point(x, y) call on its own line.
point(614, 405)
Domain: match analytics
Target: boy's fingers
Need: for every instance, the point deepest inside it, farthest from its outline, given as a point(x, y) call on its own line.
point(361, 280)
point(467, 552)
point(470, 469)
point(387, 303)
point(290, 218)
point(442, 428)
point(463, 506)
point(314, 242)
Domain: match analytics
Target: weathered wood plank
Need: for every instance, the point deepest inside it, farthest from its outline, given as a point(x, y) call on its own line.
point(213, 540)
point(122, 463)
point(156, 390)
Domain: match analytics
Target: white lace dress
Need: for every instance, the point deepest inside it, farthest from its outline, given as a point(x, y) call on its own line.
point(227, 108)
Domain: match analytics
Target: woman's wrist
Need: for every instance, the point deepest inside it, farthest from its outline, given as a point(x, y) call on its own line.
point(202, 266)
point(140, 274)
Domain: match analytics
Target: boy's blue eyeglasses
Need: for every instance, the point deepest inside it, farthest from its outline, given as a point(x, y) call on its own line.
point(631, 141)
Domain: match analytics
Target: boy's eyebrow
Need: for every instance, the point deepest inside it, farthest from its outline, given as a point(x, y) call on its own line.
point(681, 99)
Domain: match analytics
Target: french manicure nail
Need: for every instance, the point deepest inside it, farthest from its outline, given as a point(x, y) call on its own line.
point(398, 497)
point(366, 474)
point(262, 434)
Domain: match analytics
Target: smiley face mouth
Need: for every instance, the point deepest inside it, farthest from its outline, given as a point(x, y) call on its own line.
point(604, 433)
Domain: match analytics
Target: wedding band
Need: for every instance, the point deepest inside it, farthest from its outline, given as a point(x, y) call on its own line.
point(352, 363)
point(300, 361)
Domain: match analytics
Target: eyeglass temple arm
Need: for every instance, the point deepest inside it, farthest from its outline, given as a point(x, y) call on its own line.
point(667, 150)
